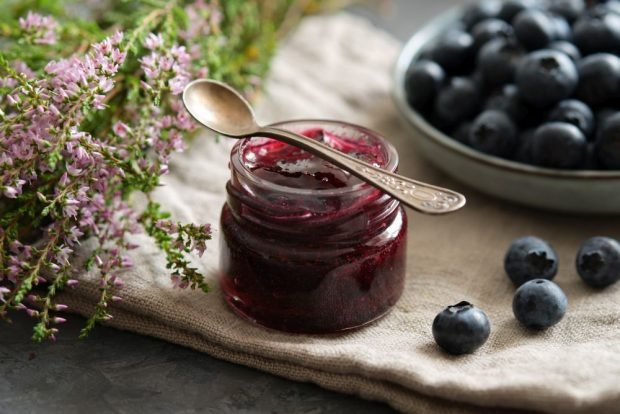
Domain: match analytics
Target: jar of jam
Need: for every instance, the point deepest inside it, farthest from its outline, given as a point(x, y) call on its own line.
point(305, 246)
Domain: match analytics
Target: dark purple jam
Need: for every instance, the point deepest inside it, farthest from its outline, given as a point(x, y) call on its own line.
point(305, 246)
point(290, 166)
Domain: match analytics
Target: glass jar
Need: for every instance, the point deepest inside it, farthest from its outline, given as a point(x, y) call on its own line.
point(306, 247)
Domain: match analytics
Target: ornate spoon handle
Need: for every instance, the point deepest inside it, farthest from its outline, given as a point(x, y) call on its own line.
point(419, 196)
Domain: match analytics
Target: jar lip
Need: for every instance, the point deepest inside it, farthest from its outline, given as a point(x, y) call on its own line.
point(240, 166)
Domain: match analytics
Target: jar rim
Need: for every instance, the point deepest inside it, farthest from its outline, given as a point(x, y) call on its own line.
point(240, 166)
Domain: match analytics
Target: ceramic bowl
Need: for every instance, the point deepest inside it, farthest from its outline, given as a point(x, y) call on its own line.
point(574, 191)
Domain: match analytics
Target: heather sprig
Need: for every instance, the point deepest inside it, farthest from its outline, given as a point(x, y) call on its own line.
point(90, 115)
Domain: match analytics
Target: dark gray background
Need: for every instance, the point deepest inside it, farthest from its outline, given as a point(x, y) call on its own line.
point(120, 372)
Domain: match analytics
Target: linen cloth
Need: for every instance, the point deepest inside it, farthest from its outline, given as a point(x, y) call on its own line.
point(340, 67)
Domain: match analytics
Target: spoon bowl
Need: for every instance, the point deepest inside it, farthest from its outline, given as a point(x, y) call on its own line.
point(220, 108)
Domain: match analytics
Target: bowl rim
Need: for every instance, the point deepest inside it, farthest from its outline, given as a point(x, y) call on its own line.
point(410, 51)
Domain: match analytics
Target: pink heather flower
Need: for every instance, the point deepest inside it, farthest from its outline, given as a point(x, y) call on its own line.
point(3, 291)
point(170, 67)
point(126, 262)
point(104, 47)
point(73, 170)
point(62, 255)
point(32, 313)
point(60, 307)
point(73, 237)
point(15, 246)
point(178, 282)
point(146, 86)
point(121, 129)
point(116, 38)
point(98, 102)
point(42, 29)
point(203, 73)
point(64, 180)
point(178, 83)
point(153, 41)
point(216, 17)
point(200, 248)
point(72, 282)
point(116, 298)
point(22, 68)
point(70, 210)
point(32, 298)
point(58, 320)
point(10, 192)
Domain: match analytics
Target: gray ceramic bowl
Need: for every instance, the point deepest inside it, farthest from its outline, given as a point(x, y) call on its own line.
point(579, 191)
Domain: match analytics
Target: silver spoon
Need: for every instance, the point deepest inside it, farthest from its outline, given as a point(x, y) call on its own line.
point(220, 108)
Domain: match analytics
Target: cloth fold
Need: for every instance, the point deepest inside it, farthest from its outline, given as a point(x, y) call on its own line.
point(340, 67)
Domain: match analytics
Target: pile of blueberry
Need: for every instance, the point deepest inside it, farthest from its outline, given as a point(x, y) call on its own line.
point(535, 81)
point(531, 263)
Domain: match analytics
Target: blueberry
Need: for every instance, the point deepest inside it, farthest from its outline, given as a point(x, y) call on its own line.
point(574, 112)
point(567, 48)
point(539, 304)
point(498, 60)
point(508, 101)
point(477, 79)
point(546, 77)
point(423, 82)
point(601, 116)
point(559, 145)
point(490, 29)
point(535, 29)
point(454, 52)
point(608, 143)
point(594, 34)
point(480, 11)
point(598, 262)
point(599, 79)
point(592, 162)
point(457, 102)
point(530, 258)
point(461, 133)
point(493, 132)
point(510, 8)
point(461, 328)
point(524, 147)
point(568, 9)
point(605, 8)
point(562, 30)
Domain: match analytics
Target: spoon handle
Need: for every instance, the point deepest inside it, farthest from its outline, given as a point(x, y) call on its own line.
point(419, 196)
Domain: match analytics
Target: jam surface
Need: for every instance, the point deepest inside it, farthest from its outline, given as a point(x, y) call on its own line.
point(316, 262)
point(289, 166)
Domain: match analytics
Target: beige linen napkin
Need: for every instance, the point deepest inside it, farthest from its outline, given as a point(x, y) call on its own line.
point(340, 67)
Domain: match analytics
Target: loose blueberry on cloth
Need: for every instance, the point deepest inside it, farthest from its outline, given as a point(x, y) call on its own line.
point(598, 262)
point(539, 304)
point(530, 258)
point(572, 368)
point(461, 328)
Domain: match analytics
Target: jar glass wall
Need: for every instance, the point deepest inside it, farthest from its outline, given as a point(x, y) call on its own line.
point(305, 247)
